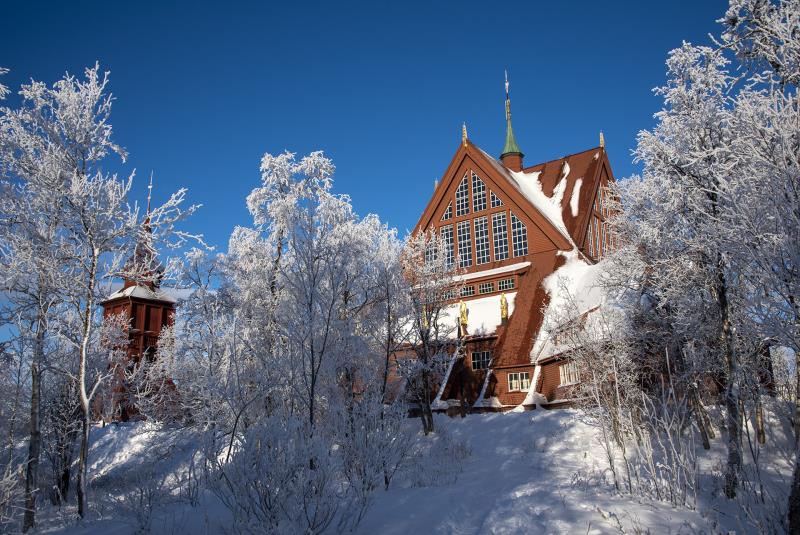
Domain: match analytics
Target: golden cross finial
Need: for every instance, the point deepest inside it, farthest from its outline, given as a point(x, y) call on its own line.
point(464, 134)
point(602, 140)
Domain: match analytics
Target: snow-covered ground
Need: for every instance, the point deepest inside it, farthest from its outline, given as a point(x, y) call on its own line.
point(525, 472)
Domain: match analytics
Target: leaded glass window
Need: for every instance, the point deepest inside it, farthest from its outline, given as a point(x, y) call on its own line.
point(496, 201)
point(462, 197)
point(464, 244)
point(519, 236)
point(500, 234)
point(448, 212)
point(478, 194)
point(447, 237)
point(431, 254)
point(481, 240)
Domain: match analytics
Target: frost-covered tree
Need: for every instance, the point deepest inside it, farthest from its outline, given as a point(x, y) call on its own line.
point(66, 226)
point(433, 279)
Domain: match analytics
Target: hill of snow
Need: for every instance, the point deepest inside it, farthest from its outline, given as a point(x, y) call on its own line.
point(525, 472)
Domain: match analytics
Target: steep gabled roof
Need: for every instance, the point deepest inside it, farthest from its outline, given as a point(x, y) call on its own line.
point(587, 167)
point(550, 189)
point(500, 175)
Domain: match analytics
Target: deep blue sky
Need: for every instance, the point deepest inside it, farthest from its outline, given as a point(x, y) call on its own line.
point(204, 89)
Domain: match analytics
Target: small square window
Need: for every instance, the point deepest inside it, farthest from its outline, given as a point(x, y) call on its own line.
point(486, 287)
point(481, 359)
point(467, 291)
point(568, 373)
point(505, 284)
point(519, 381)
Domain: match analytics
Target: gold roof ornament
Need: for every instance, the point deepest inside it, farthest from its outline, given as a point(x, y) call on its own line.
point(503, 307)
point(464, 134)
point(602, 140)
point(462, 313)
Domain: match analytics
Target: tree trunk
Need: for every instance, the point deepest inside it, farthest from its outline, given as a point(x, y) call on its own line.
point(85, 397)
point(426, 414)
point(701, 422)
point(35, 442)
point(82, 466)
point(760, 430)
point(731, 388)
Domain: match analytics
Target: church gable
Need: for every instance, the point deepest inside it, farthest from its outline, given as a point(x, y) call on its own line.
point(485, 216)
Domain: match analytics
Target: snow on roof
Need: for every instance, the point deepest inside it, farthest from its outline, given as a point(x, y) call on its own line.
point(142, 292)
point(576, 197)
point(490, 272)
point(483, 314)
point(531, 188)
point(576, 283)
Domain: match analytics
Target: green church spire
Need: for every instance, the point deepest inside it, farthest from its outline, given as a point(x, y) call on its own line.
point(511, 146)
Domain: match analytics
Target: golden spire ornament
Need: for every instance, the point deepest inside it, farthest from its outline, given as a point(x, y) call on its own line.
point(602, 140)
point(503, 307)
point(464, 134)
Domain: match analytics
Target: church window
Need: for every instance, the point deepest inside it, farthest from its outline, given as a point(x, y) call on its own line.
point(478, 194)
point(519, 236)
point(431, 254)
point(462, 197)
point(590, 239)
point(505, 284)
point(464, 244)
point(500, 234)
point(447, 237)
point(603, 232)
point(481, 359)
point(496, 201)
point(467, 291)
point(486, 287)
point(519, 381)
point(568, 373)
point(481, 240)
point(448, 213)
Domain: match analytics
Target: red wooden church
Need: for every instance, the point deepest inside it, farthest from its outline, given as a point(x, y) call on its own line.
point(148, 310)
point(510, 227)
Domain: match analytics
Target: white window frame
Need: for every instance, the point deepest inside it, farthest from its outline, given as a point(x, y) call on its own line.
point(519, 236)
point(519, 381)
point(481, 240)
point(505, 284)
point(478, 193)
point(464, 236)
point(481, 360)
point(448, 212)
point(486, 287)
point(495, 200)
point(500, 236)
point(568, 373)
point(446, 232)
point(462, 197)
